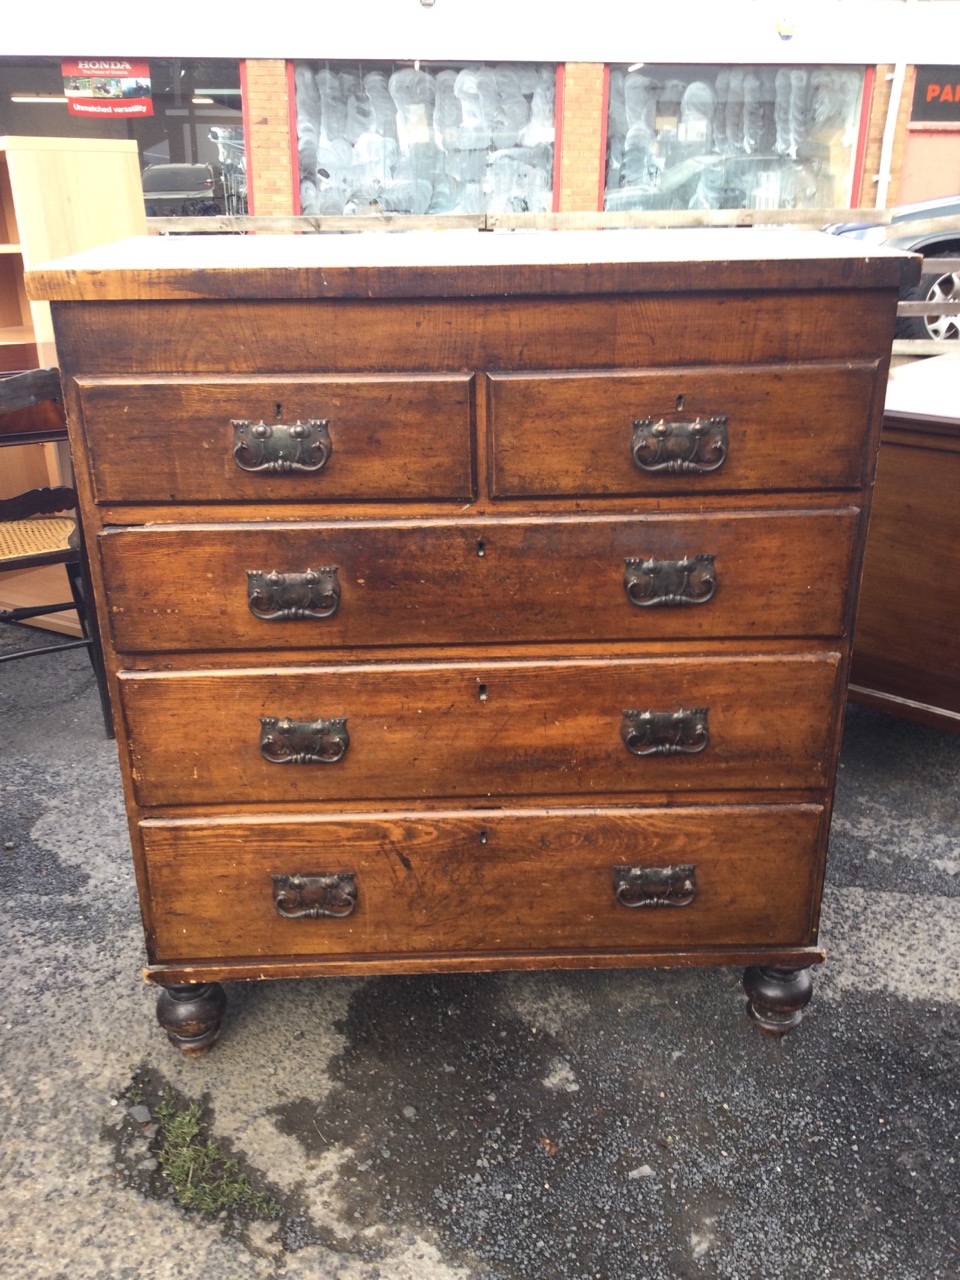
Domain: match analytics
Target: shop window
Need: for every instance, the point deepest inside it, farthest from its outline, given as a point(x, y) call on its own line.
point(722, 137)
point(421, 138)
point(191, 141)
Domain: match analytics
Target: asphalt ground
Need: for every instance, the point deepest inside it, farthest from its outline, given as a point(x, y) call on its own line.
point(572, 1126)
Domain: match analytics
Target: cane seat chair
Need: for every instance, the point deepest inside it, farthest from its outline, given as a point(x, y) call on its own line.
point(38, 528)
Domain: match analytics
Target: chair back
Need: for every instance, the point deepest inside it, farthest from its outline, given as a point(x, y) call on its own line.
point(38, 502)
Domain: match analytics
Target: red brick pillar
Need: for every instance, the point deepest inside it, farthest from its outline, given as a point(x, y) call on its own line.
point(266, 108)
point(582, 132)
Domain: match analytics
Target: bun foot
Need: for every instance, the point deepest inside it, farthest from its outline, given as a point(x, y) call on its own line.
point(191, 1016)
point(776, 998)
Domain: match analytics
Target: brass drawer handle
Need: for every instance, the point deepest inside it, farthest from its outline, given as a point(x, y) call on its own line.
point(655, 886)
point(651, 583)
point(665, 733)
point(679, 448)
point(283, 597)
point(278, 448)
point(284, 741)
point(321, 897)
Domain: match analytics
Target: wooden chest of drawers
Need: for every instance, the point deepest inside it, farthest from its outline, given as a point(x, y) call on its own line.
point(476, 601)
point(906, 659)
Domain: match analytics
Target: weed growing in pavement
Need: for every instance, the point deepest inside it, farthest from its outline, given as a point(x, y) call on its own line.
point(202, 1175)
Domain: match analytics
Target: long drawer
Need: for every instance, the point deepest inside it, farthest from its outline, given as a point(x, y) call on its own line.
point(637, 879)
point(682, 430)
point(497, 729)
point(494, 581)
point(280, 439)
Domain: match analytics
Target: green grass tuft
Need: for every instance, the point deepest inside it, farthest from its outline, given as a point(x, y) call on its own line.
point(202, 1175)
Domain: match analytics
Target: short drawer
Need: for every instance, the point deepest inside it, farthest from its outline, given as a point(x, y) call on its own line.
point(175, 439)
point(493, 729)
point(528, 881)
point(682, 430)
point(359, 585)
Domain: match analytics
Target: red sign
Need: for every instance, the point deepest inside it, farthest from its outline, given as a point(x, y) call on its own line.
point(108, 87)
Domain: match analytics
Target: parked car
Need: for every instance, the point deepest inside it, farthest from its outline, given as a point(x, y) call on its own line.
point(180, 190)
point(934, 286)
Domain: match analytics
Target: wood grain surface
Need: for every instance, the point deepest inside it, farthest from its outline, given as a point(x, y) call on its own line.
point(172, 440)
point(483, 882)
point(479, 506)
point(469, 264)
point(499, 729)
point(496, 582)
point(908, 623)
point(624, 331)
point(789, 427)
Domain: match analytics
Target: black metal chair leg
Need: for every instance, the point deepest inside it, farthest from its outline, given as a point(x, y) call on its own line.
point(80, 589)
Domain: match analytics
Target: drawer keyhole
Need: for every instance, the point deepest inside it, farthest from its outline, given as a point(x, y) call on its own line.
point(481, 547)
point(278, 410)
point(680, 400)
point(483, 693)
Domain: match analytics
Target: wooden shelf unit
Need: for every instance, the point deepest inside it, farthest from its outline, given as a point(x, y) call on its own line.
point(57, 196)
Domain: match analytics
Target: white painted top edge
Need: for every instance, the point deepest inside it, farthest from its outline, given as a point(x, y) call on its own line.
point(856, 32)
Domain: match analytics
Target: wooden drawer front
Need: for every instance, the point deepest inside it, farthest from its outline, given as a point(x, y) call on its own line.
point(490, 582)
point(570, 434)
point(493, 882)
point(462, 729)
point(171, 439)
point(636, 329)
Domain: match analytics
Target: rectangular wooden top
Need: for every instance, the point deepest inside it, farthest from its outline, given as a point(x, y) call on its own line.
point(458, 264)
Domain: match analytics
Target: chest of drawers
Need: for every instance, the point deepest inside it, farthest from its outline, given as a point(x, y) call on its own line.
point(906, 660)
point(476, 601)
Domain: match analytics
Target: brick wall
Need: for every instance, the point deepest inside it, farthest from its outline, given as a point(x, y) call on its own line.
point(269, 165)
point(582, 130)
point(882, 87)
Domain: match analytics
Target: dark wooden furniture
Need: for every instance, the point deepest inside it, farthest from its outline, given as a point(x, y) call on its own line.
point(477, 601)
point(906, 657)
point(37, 527)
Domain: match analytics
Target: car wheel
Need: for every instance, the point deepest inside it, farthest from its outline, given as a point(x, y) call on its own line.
point(932, 288)
point(945, 288)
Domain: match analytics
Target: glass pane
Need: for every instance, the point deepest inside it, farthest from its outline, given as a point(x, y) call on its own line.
point(196, 163)
point(713, 137)
point(191, 146)
point(425, 138)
